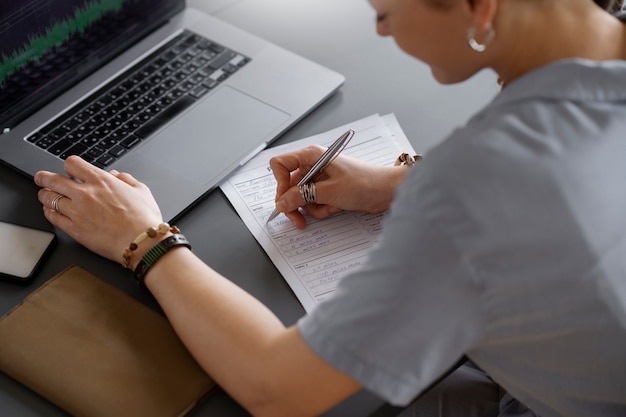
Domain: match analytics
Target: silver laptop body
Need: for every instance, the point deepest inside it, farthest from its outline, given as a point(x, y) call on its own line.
point(190, 154)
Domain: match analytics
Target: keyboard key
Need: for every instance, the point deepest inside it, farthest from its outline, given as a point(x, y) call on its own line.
point(117, 151)
point(35, 137)
point(88, 157)
point(106, 160)
point(57, 133)
point(130, 142)
point(118, 135)
point(107, 143)
point(96, 151)
point(89, 140)
point(221, 59)
point(59, 147)
point(229, 68)
point(77, 149)
point(210, 83)
point(198, 91)
point(45, 142)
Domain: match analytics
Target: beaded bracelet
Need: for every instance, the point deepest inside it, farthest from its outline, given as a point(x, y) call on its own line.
point(151, 232)
point(407, 159)
point(156, 252)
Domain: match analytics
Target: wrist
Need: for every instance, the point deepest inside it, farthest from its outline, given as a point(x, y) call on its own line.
point(140, 245)
point(143, 249)
point(157, 252)
point(384, 184)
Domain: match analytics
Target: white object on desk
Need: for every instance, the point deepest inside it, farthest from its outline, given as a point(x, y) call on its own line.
point(313, 260)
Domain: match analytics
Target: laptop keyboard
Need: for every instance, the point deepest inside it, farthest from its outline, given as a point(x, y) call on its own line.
point(116, 118)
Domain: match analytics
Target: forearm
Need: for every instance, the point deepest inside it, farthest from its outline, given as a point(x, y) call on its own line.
point(242, 344)
point(228, 331)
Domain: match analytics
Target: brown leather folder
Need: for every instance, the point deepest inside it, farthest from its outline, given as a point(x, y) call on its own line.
point(95, 351)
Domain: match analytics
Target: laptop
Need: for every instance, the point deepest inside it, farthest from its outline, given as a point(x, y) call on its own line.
point(168, 93)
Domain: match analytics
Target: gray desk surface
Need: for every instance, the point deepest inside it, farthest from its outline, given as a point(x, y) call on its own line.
point(380, 79)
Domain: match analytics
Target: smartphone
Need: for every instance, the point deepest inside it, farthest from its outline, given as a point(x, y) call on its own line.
point(22, 251)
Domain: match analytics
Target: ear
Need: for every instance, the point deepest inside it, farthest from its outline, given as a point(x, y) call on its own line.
point(483, 12)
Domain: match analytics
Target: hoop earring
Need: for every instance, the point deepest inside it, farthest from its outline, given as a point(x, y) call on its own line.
point(474, 44)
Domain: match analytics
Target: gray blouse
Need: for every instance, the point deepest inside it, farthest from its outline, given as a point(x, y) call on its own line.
point(507, 244)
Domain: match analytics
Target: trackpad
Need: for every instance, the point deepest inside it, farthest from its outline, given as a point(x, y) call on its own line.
point(212, 138)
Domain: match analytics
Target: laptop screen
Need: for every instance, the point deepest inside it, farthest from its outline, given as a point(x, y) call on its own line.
point(48, 45)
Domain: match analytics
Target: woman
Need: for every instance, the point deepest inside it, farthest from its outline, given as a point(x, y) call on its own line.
point(505, 245)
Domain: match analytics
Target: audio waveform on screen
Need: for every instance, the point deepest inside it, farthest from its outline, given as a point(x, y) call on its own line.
point(56, 34)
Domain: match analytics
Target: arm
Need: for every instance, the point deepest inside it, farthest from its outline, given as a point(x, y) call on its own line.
point(346, 184)
point(240, 343)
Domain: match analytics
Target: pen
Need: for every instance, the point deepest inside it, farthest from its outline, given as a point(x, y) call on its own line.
point(327, 157)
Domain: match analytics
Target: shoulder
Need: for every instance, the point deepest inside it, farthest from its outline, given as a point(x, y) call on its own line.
point(537, 171)
point(527, 167)
point(553, 114)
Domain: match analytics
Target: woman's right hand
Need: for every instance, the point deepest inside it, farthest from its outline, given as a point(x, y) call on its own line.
point(346, 184)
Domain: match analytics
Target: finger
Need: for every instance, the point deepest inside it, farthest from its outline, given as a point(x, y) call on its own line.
point(297, 218)
point(85, 172)
point(58, 219)
point(290, 201)
point(293, 198)
point(282, 166)
point(292, 161)
point(53, 200)
point(60, 184)
point(41, 196)
point(290, 167)
point(321, 211)
point(128, 179)
point(76, 167)
point(125, 177)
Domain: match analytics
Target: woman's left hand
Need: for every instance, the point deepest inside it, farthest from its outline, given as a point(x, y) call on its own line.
point(102, 210)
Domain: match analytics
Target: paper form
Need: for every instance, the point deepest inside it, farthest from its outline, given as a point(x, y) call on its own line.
point(313, 260)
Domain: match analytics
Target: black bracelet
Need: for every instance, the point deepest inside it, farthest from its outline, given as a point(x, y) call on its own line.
point(156, 252)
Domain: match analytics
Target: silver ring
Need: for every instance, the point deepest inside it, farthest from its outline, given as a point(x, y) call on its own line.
point(55, 202)
point(308, 192)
